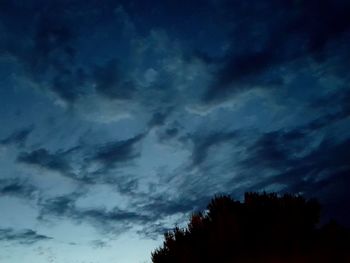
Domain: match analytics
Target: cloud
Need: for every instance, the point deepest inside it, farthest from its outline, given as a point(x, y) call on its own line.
point(68, 163)
point(271, 150)
point(46, 52)
point(113, 154)
point(297, 161)
point(327, 160)
point(165, 212)
point(50, 49)
point(168, 134)
point(111, 83)
point(25, 237)
point(114, 221)
point(114, 216)
point(336, 103)
point(98, 244)
point(58, 206)
point(202, 144)
point(302, 158)
point(88, 163)
point(42, 158)
point(130, 74)
point(18, 137)
point(154, 231)
point(289, 146)
point(162, 206)
point(148, 214)
point(268, 38)
point(154, 69)
point(159, 117)
point(17, 188)
point(107, 64)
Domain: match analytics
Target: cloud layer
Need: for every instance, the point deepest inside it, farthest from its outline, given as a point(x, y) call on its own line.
point(126, 117)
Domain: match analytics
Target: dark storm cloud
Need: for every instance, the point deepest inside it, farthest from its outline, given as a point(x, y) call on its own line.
point(118, 153)
point(18, 137)
point(26, 237)
point(269, 34)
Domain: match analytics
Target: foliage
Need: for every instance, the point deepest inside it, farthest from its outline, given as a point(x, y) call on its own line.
point(264, 228)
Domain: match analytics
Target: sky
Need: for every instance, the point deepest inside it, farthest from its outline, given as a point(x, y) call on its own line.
point(121, 118)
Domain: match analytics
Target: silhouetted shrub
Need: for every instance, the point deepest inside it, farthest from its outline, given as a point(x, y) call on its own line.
point(264, 228)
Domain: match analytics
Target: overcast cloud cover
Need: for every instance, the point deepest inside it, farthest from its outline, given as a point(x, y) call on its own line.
point(120, 118)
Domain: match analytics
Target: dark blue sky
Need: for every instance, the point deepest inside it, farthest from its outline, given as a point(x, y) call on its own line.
point(120, 118)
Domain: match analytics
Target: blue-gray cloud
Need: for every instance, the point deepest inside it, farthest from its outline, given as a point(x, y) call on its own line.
point(108, 156)
point(49, 48)
point(18, 137)
point(315, 171)
point(268, 36)
point(98, 244)
point(165, 106)
point(25, 237)
point(16, 188)
point(42, 158)
point(120, 152)
point(202, 144)
point(111, 82)
point(114, 221)
point(147, 212)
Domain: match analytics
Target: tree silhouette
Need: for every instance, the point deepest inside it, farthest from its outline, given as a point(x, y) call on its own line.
point(264, 228)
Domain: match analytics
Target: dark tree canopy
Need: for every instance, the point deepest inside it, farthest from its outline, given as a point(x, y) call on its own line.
point(264, 228)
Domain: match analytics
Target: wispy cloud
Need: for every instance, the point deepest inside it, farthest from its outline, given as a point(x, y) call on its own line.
point(25, 237)
point(259, 59)
point(42, 158)
point(17, 188)
point(121, 152)
point(18, 137)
